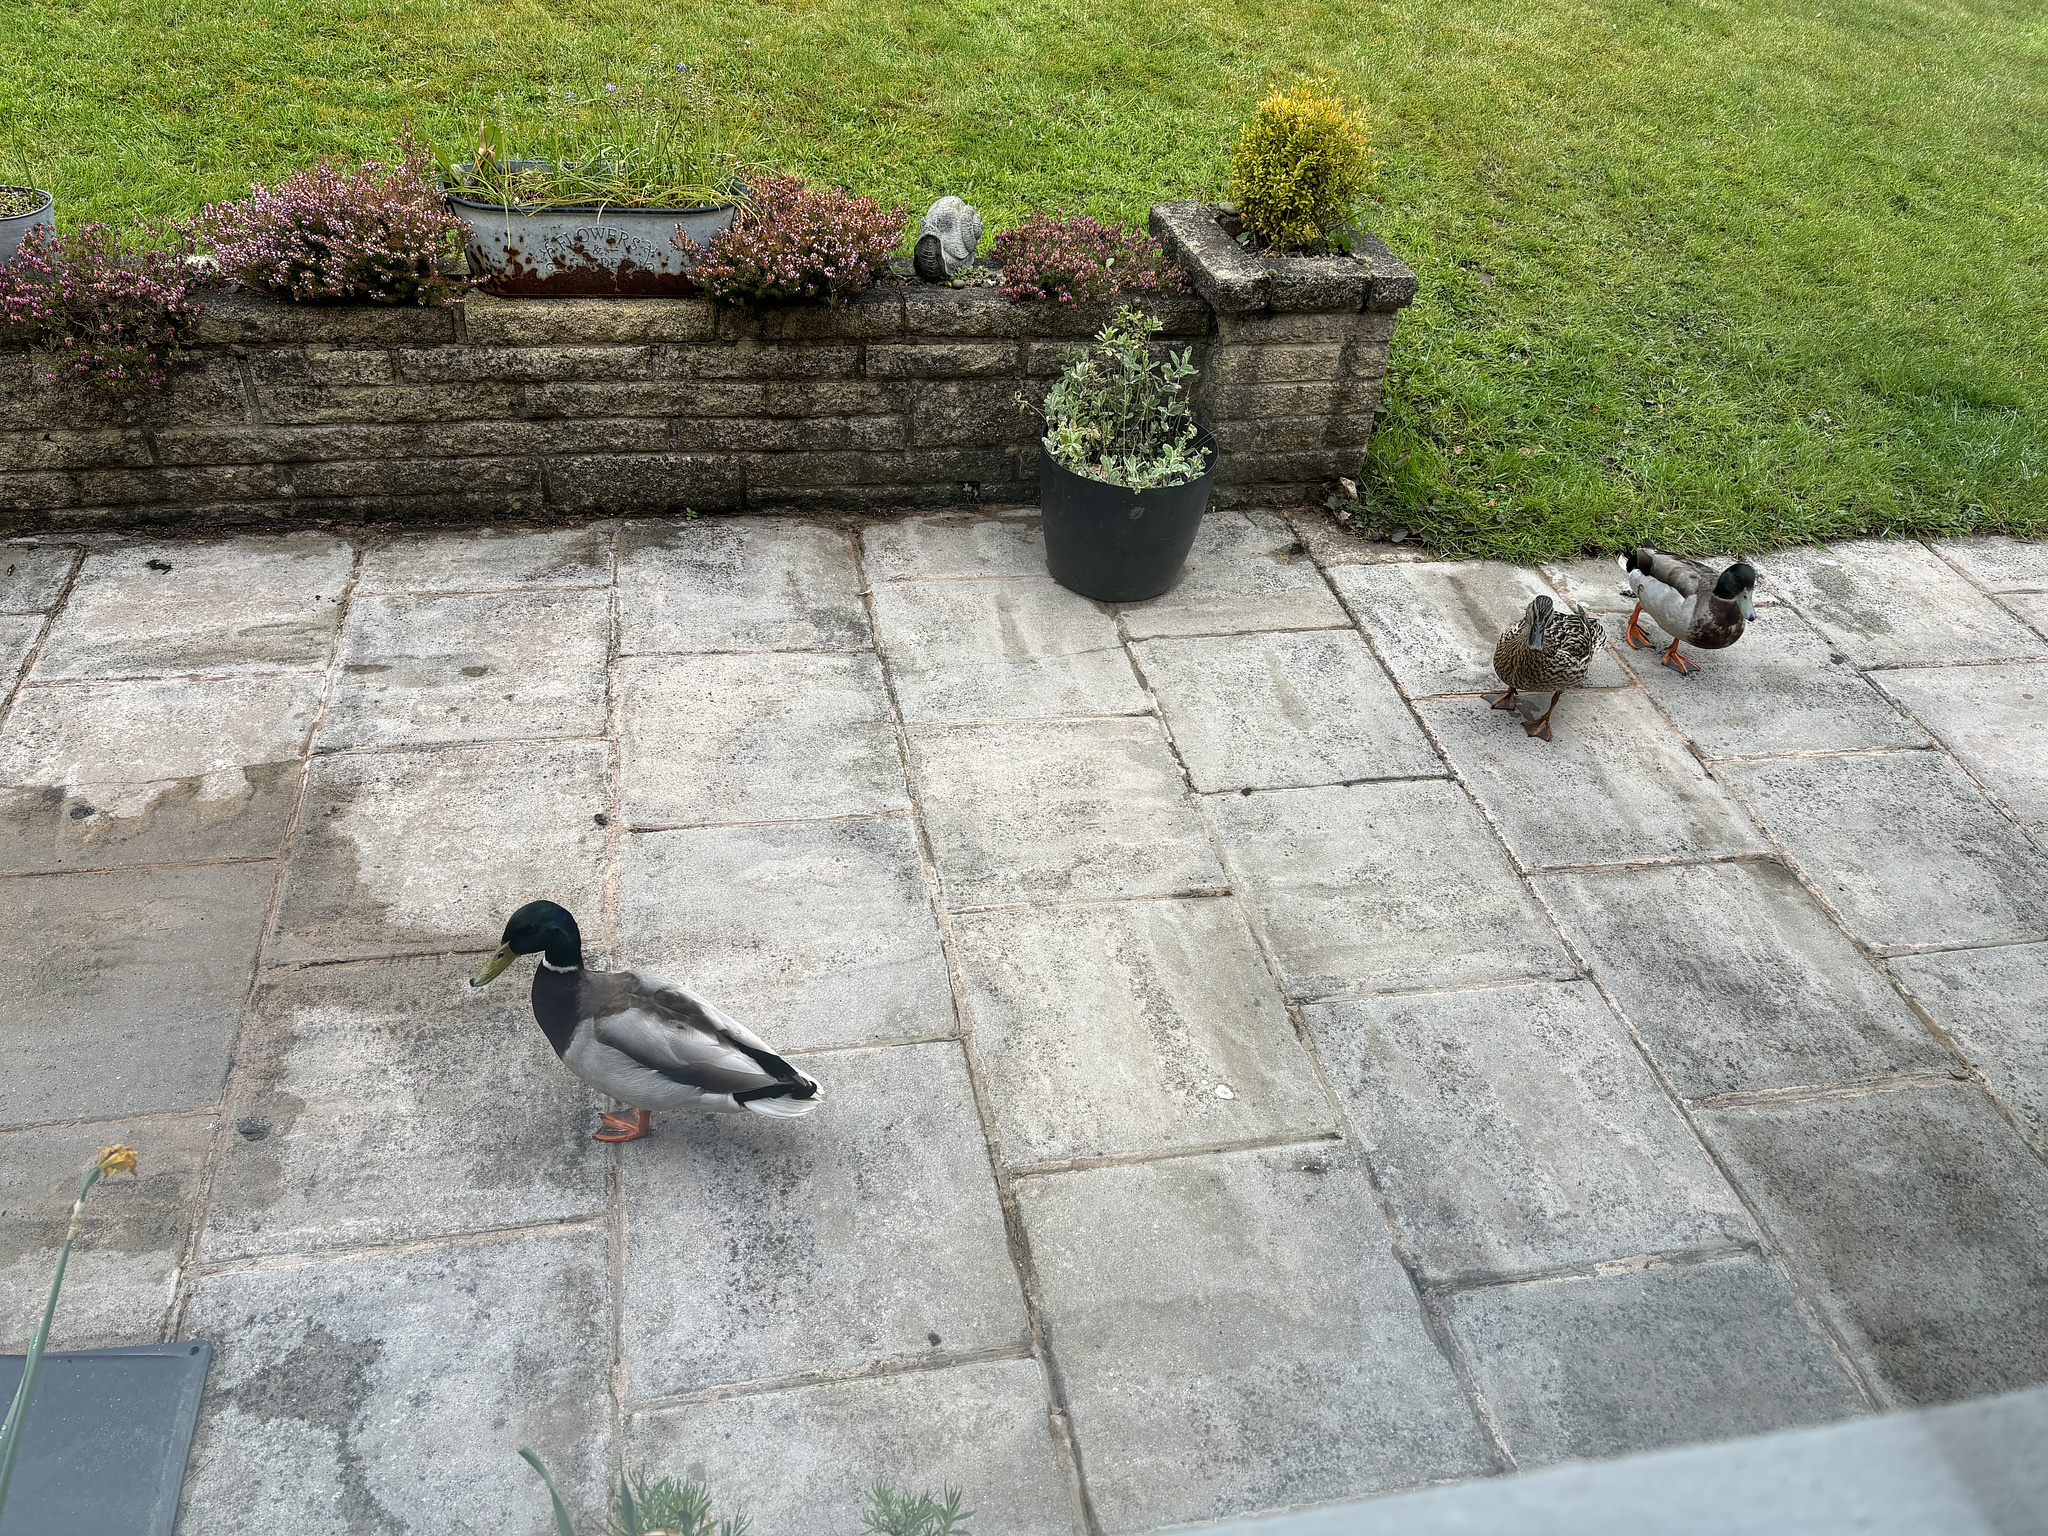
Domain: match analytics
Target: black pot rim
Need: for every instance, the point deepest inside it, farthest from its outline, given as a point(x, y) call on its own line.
point(1204, 438)
point(49, 200)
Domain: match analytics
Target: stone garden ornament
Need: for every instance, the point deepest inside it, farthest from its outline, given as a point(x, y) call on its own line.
point(947, 238)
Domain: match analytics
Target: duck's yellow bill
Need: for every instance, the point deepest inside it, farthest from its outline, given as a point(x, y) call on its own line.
point(493, 966)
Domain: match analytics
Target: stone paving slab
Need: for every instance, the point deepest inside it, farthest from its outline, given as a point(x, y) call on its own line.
point(1355, 886)
point(739, 584)
point(812, 933)
point(1279, 711)
point(17, 639)
point(2003, 565)
point(125, 988)
point(800, 1463)
point(919, 548)
point(1994, 719)
point(422, 670)
point(1782, 687)
point(1234, 1334)
point(1994, 1005)
point(1127, 1027)
point(1246, 572)
point(1516, 1130)
point(991, 650)
point(1890, 603)
point(1778, 999)
point(2032, 609)
point(489, 560)
point(353, 1395)
point(1917, 1217)
point(239, 605)
point(361, 1120)
point(119, 1287)
point(424, 852)
point(32, 576)
point(761, 737)
point(1614, 785)
point(1614, 1364)
point(1053, 810)
point(1435, 623)
point(816, 1244)
point(160, 771)
point(1903, 845)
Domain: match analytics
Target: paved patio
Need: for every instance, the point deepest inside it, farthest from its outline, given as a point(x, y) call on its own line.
point(1256, 1073)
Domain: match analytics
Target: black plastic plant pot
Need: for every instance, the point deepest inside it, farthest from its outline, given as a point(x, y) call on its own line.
point(1115, 544)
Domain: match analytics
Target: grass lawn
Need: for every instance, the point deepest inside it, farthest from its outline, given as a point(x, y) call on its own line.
point(1724, 274)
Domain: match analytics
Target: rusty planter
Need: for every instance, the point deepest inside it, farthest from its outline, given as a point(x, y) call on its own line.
point(596, 249)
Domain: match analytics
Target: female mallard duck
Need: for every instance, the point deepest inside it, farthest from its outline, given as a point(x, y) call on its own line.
point(645, 1041)
point(1688, 602)
point(1545, 649)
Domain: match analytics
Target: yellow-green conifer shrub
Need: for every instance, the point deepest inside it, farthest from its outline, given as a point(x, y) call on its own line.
point(1298, 165)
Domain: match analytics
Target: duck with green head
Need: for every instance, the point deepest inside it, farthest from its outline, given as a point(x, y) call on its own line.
point(645, 1041)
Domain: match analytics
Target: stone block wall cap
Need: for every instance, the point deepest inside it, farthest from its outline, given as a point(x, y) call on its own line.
point(1236, 282)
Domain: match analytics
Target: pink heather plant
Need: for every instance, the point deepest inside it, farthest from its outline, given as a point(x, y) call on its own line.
point(377, 232)
point(1072, 260)
point(107, 320)
point(795, 241)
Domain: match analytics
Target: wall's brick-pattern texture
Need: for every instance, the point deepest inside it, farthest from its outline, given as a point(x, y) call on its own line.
point(905, 397)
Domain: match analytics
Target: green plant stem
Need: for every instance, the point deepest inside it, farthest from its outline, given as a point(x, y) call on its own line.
point(563, 1525)
point(11, 1433)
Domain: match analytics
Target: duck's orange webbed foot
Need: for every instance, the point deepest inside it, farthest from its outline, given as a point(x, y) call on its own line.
point(626, 1127)
point(1502, 700)
point(1540, 726)
point(1677, 663)
point(1637, 639)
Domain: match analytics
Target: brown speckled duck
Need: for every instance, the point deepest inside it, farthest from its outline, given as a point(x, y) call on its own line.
point(1688, 601)
point(1545, 649)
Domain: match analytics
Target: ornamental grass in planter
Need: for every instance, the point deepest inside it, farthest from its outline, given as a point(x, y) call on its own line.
point(1124, 471)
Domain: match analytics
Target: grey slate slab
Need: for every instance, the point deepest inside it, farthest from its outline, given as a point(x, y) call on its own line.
point(423, 852)
point(1246, 572)
point(795, 1246)
point(388, 1103)
point(1615, 784)
point(1516, 1130)
point(2003, 565)
point(159, 771)
point(989, 650)
point(1049, 810)
point(811, 933)
point(739, 584)
point(1358, 888)
point(1737, 980)
point(1893, 603)
point(32, 575)
point(489, 560)
point(124, 1267)
point(915, 548)
point(1917, 1217)
point(800, 1462)
point(391, 1393)
point(1234, 1334)
point(2032, 610)
point(422, 670)
point(1283, 710)
point(1435, 623)
point(17, 639)
point(1614, 1364)
point(235, 605)
point(1903, 845)
point(759, 737)
point(126, 988)
point(1994, 1005)
point(1994, 719)
point(1120, 1027)
point(1777, 689)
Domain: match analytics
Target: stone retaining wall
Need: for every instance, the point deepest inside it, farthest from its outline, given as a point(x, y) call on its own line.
point(907, 396)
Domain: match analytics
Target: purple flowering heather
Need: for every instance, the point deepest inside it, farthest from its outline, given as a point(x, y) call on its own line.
point(375, 231)
point(1073, 260)
point(107, 320)
point(795, 241)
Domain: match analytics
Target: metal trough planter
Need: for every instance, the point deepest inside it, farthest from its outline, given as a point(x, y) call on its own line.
point(16, 227)
point(595, 249)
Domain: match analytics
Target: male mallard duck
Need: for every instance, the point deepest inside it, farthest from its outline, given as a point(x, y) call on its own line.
point(1688, 602)
point(645, 1041)
point(1545, 649)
